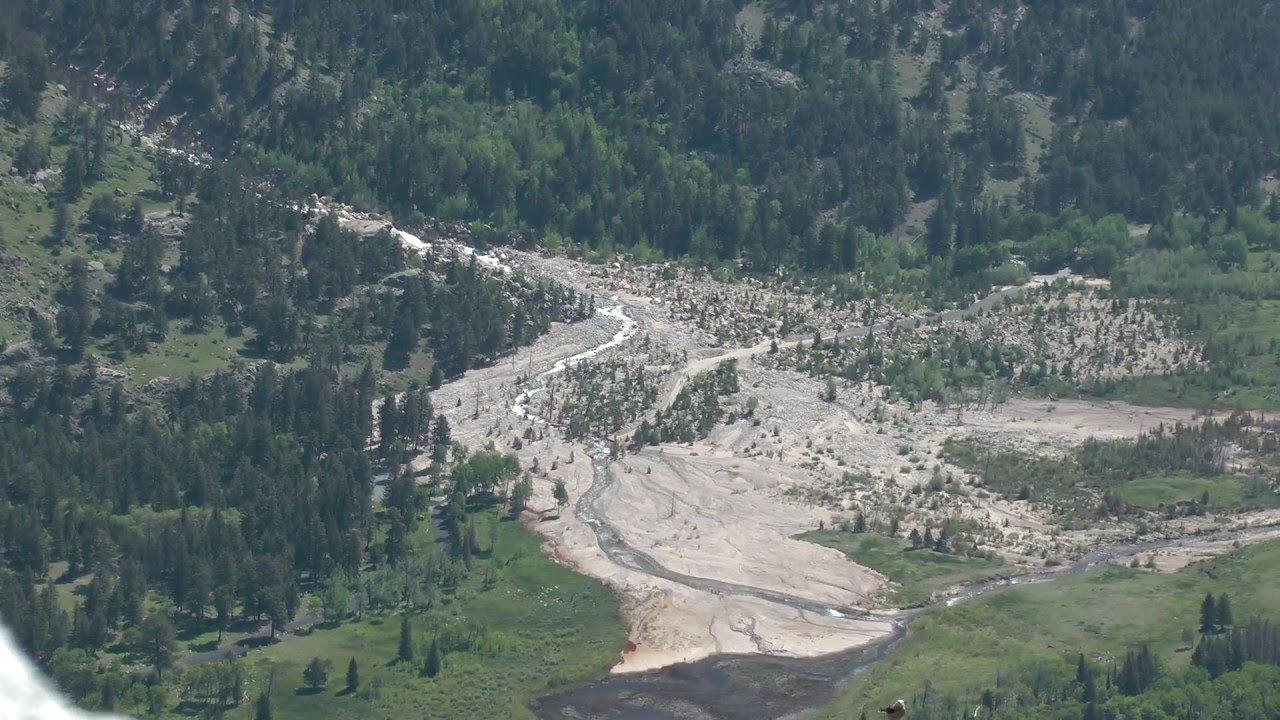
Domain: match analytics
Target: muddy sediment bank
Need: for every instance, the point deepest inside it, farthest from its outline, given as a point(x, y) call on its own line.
point(751, 687)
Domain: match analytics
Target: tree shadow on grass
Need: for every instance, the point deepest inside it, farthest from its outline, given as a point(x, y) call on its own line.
point(190, 628)
point(306, 691)
point(257, 642)
point(205, 646)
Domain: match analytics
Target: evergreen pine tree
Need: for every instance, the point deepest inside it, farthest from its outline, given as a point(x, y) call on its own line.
point(431, 667)
point(353, 676)
point(316, 673)
point(942, 543)
point(60, 231)
point(32, 155)
point(405, 651)
point(262, 710)
point(1222, 615)
point(1208, 614)
point(940, 226)
point(42, 333)
point(1090, 692)
point(73, 173)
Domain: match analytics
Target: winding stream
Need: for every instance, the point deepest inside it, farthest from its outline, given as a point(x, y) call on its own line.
point(624, 333)
point(751, 687)
point(625, 555)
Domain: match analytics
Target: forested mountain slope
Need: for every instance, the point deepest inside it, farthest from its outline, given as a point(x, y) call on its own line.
point(670, 125)
point(218, 397)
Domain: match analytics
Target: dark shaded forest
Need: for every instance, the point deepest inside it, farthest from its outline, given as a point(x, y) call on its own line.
point(636, 126)
point(250, 262)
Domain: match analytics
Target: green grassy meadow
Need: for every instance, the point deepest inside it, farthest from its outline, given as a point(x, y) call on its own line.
point(1250, 327)
point(1103, 613)
point(1227, 492)
point(917, 574)
point(540, 626)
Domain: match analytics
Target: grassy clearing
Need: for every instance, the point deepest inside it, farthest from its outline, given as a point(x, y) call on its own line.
point(1037, 121)
point(1225, 493)
point(543, 626)
point(917, 573)
point(1102, 613)
point(67, 598)
point(910, 69)
point(1252, 326)
point(1162, 391)
point(1249, 327)
point(183, 354)
point(751, 18)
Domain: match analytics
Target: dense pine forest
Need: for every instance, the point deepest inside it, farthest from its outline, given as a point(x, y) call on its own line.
point(660, 125)
point(911, 145)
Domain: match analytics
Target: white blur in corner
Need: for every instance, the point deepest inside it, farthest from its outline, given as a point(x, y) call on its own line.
point(26, 695)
